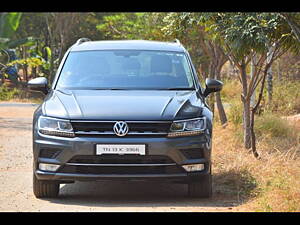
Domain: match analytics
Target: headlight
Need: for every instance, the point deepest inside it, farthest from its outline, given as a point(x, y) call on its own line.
point(187, 127)
point(55, 127)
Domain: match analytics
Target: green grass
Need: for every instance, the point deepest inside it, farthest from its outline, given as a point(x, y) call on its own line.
point(19, 95)
point(235, 112)
point(286, 98)
point(8, 94)
point(270, 124)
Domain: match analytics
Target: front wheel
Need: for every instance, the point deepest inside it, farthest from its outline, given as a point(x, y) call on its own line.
point(45, 189)
point(201, 188)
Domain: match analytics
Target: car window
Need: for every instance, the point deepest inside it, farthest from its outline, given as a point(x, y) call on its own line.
point(125, 69)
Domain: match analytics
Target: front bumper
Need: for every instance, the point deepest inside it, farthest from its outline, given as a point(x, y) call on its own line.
point(176, 152)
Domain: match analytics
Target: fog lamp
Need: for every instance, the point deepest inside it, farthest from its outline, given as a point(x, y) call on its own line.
point(193, 167)
point(48, 167)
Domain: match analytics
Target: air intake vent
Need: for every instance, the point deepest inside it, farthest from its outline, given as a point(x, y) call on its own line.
point(194, 153)
point(49, 153)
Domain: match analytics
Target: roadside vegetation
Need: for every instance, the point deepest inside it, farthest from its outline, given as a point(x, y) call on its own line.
point(18, 95)
point(270, 184)
point(8, 94)
point(256, 55)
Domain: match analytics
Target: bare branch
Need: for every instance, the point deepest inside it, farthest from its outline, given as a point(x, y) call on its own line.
point(255, 79)
point(115, 30)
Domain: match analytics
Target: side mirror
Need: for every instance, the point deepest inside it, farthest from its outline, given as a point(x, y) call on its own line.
point(38, 84)
point(212, 85)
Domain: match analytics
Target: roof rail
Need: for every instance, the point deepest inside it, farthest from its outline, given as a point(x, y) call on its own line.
point(177, 41)
point(81, 40)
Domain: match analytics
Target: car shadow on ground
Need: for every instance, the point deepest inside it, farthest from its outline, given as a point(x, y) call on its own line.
point(226, 193)
point(130, 194)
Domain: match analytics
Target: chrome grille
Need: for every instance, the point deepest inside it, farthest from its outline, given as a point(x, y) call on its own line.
point(156, 128)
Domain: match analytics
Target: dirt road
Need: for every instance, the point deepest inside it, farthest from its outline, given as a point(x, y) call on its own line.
point(16, 181)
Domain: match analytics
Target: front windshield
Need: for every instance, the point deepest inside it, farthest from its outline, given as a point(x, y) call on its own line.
point(126, 69)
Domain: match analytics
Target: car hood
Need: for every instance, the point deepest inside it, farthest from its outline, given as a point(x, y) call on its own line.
point(122, 104)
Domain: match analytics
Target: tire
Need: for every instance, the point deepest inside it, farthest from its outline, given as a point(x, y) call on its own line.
point(201, 188)
point(45, 189)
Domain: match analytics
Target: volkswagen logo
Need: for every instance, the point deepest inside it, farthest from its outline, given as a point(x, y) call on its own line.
point(121, 128)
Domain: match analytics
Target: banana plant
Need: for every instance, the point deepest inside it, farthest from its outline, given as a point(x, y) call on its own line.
point(9, 23)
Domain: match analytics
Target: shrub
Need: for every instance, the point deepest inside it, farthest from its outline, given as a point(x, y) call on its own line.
point(231, 89)
point(273, 126)
point(286, 98)
point(235, 114)
point(7, 93)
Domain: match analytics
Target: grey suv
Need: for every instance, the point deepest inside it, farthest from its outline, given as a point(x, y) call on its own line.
point(131, 110)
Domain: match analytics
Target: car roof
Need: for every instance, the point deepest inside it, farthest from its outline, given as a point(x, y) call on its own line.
point(128, 45)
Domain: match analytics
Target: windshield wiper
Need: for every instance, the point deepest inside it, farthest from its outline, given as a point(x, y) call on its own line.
point(179, 89)
point(108, 89)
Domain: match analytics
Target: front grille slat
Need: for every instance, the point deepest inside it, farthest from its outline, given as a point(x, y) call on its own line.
point(117, 159)
point(121, 170)
point(156, 128)
point(126, 164)
point(83, 126)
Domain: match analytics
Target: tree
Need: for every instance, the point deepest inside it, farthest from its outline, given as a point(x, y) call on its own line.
point(132, 26)
point(168, 26)
point(186, 27)
point(58, 27)
point(248, 35)
point(56, 32)
point(9, 23)
point(293, 20)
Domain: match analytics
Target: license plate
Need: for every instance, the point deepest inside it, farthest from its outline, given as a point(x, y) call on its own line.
point(120, 149)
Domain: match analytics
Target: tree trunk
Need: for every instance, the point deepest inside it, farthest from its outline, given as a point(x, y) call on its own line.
point(270, 85)
point(222, 114)
point(211, 102)
point(51, 46)
point(51, 67)
point(253, 111)
point(278, 71)
point(253, 137)
point(25, 66)
point(211, 97)
point(246, 108)
point(253, 62)
point(33, 72)
point(25, 72)
point(247, 124)
point(270, 74)
point(217, 59)
point(232, 69)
